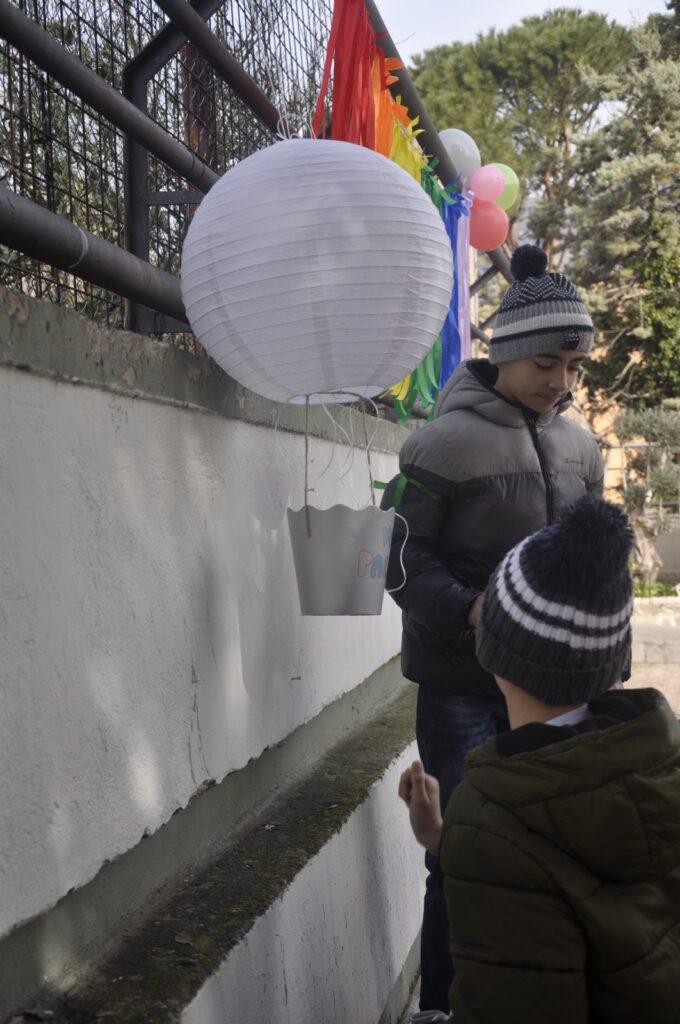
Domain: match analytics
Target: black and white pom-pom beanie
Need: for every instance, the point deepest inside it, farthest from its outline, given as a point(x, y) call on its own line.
point(556, 614)
point(540, 312)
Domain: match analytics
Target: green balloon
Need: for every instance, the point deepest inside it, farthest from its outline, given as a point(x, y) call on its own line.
point(508, 196)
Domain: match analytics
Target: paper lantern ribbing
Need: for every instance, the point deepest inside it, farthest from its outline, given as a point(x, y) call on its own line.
point(314, 268)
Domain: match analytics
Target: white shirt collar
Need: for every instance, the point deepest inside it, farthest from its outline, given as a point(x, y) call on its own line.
point(570, 717)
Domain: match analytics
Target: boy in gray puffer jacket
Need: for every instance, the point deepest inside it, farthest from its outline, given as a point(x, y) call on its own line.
point(493, 467)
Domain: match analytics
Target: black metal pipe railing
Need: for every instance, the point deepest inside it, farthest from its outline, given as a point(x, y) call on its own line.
point(37, 44)
point(153, 57)
point(188, 23)
point(185, 18)
point(482, 280)
point(479, 334)
point(35, 231)
point(138, 316)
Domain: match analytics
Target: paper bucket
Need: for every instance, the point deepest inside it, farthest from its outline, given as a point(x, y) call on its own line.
point(341, 567)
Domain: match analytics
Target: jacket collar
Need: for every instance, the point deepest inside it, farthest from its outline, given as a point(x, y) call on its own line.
point(472, 386)
point(604, 792)
point(629, 729)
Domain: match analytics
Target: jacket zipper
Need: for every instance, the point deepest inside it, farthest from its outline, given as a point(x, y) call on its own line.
point(545, 471)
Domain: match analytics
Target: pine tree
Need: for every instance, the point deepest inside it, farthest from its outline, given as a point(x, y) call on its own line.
point(522, 97)
point(625, 224)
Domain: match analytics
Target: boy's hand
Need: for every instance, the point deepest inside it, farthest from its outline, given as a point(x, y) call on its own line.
point(420, 793)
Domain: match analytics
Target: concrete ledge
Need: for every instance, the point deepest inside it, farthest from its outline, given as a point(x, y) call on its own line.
point(335, 945)
point(40, 337)
point(401, 995)
point(222, 827)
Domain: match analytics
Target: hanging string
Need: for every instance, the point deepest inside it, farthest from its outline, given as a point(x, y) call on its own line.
point(283, 454)
point(309, 527)
point(348, 463)
point(367, 442)
point(368, 454)
point(349, 457)
point(331, 457)
point(284, 131)
point(351, 444)
point(394, 590)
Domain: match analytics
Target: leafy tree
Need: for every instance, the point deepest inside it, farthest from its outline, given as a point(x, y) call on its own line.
point(460, 93)
point(625, 226)
point(522, 97)
point(668, 28)
point(650, 479)
point(57, 151)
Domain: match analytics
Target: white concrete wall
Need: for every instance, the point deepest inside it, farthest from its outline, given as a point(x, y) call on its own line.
point(150, 632)
point(331, 948)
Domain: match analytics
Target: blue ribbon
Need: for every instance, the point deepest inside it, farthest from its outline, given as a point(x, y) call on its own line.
point(455, 208)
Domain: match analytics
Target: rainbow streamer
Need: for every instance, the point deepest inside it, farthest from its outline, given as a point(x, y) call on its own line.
point(365, 112)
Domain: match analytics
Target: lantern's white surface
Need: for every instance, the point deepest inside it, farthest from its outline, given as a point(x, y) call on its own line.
point(315, 267)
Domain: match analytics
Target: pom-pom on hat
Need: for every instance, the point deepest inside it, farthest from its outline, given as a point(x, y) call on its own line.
point(556, 614)
point(541, 312)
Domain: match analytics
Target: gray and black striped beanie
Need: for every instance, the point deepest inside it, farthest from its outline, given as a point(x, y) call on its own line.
point(556, 614)
point(540, 312)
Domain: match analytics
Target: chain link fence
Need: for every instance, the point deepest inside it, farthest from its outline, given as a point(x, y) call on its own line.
point(58, 152)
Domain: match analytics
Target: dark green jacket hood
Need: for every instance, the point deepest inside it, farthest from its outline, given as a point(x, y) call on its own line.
point(607, 790)
point(561, 862)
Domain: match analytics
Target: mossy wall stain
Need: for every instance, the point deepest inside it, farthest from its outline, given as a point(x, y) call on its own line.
point(155, 972)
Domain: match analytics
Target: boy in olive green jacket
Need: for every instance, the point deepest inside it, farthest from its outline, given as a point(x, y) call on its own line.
point(561, 847)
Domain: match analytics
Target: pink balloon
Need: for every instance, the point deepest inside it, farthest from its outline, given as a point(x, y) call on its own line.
point(489, 226)
point(487, 183)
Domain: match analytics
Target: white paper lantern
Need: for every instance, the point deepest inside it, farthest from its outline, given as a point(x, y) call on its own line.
point(315, 267)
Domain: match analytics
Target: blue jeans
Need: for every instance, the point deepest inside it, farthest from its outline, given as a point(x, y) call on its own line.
point(448, 726)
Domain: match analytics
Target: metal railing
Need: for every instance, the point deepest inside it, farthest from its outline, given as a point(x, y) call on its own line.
point(114, 121)
point(71, 140)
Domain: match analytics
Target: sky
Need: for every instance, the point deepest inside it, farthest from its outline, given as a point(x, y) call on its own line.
point(417, 26)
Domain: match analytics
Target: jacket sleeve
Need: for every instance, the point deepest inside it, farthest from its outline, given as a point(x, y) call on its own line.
point(518, 949)
point(430, 594)
point(595, 479)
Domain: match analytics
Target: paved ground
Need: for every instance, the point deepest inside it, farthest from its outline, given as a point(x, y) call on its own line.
point(656, 651)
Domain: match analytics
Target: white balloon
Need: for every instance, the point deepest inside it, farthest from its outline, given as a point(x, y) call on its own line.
point(315, 267)
point(463, 151)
